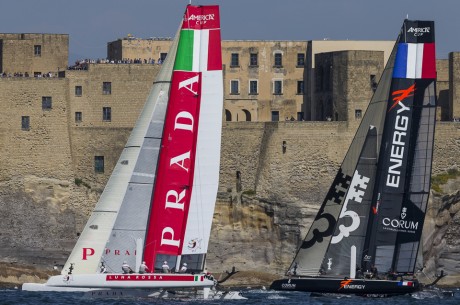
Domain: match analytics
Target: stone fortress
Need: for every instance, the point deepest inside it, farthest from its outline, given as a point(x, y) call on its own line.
point(291, 109)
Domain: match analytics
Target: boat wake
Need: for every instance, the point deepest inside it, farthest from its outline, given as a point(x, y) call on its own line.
point(433, 293)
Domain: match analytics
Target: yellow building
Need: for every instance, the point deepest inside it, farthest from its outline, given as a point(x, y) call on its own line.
point(264, 80)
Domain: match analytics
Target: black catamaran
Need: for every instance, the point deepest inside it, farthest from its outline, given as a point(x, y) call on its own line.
point(365, 238)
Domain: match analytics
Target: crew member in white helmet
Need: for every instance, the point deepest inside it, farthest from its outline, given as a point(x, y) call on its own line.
point(165, 267)
point(183, 269)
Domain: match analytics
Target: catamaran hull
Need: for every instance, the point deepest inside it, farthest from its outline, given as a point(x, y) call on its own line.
point(173, 293)
point(351, 286)
point(86, 282)
point(135, 285)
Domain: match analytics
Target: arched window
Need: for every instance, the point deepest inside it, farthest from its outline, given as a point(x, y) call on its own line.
point(248, 115)
point(228, 115)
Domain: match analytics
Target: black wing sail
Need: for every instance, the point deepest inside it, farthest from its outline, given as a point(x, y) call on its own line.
point(312, 250)
point(405, 158)
point(347, 244)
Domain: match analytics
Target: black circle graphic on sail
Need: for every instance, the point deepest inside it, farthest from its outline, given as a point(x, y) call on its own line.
point(335, 195)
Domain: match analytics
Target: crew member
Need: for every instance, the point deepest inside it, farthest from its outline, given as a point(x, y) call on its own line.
point(103, 268)
point(183, 269)
point(165, 267)
point(126, 268)
point(374, 272)
point(143, 268)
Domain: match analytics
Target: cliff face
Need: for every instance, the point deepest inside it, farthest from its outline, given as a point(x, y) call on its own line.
point(273, 178)
point(441, 234)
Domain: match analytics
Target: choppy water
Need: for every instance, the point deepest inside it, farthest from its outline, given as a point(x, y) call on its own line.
point(254, 297)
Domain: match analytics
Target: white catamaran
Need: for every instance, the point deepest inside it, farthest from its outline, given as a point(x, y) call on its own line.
point(159, 202)
point(372, 217)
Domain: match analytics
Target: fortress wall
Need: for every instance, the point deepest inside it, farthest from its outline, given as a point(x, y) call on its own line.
point(314, 151)
point(93, 136)
point(447, 147)
point(44, 149)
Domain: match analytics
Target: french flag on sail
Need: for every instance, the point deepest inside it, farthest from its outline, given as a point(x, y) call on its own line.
point(405, 283)
point(415, 60)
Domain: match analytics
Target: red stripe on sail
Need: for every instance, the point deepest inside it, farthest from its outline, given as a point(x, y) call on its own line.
point(214, 51)
point(429, 61)
point(201, 17)
point(174, 176)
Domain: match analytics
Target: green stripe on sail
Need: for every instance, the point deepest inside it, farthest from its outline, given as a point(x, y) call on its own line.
point(184, 57)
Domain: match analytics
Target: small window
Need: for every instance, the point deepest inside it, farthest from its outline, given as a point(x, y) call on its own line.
point(163, 56)
point(253, 87)
point(25, 123)
point(300, 59)
point(300, 87)
point(373, 80)
point(253, 59)
point(46, 102)
point(37, 50)
point(107, 114)
point(358, 114)
point(78, 90)
point(275, 116)
point(106, 88)
point(78, 117)
point(300, 116)
point(278, 87)
point(99, 164)
point(235, 60)
point(234, 87)
point(278, 60)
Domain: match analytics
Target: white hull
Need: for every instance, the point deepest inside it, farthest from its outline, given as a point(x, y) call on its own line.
point(86, 282)
point(156, 285)
point(45, 287)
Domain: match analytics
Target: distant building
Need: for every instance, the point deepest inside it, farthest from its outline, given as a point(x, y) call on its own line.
point(264, 80)
point(33, 54)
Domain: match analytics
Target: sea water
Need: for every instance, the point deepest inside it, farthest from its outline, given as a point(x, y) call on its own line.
point(254, 296)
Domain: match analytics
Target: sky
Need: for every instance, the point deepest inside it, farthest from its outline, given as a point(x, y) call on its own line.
point(91, 24)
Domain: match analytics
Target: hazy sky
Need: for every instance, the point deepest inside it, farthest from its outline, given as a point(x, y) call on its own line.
point(93, 23)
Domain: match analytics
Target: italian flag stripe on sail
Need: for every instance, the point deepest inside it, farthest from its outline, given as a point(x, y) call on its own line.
point(197, 34)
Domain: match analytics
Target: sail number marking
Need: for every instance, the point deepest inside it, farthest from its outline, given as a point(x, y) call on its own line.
point(356, 192)
point(334, 197)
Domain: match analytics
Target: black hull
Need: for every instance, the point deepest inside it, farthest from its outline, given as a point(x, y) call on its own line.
point(342, 286)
